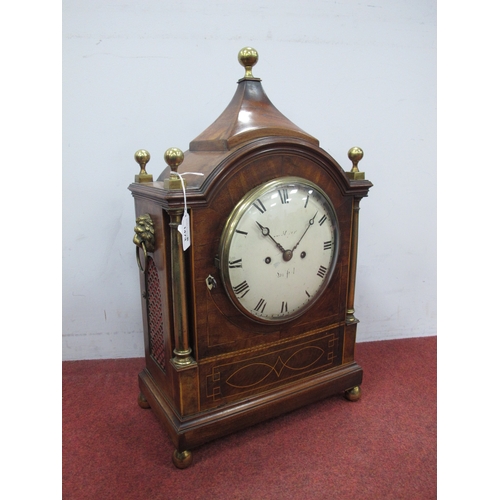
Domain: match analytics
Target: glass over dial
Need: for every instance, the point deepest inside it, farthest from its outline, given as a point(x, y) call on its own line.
point(278, 249)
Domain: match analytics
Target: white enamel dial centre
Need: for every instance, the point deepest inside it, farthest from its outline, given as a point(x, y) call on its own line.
point(278, 249)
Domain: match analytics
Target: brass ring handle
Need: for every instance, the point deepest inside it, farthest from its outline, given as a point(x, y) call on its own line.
point(139, 259)
point(144, 237)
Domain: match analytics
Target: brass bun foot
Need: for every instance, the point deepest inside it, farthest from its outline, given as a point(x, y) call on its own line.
point(353, 394)
point(182, 460)
point(142, 401)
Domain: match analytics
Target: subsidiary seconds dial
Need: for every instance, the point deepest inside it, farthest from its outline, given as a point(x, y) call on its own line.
point(278, 249)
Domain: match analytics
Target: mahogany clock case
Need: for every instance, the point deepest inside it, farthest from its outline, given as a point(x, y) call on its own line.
point(240, 371)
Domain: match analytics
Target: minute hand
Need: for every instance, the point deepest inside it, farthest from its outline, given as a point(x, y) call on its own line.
point(311, 222)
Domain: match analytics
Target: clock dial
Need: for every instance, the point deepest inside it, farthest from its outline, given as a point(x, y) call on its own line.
point(278, 249)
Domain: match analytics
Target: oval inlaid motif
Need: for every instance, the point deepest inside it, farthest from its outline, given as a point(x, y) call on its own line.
point(255, 373)
point(250, 375)
point(304, 358)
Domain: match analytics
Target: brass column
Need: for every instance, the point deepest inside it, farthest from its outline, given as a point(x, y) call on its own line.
point(182, 351)
point(350, 318)
point(355, 154)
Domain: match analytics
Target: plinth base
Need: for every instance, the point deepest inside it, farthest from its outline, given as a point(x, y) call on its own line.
point(188, 432)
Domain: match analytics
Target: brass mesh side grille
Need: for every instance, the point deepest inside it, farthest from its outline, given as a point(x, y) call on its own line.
point(155, 317)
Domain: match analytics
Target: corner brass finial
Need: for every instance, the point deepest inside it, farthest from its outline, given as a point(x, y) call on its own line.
point(173, 157)
point(142, 157)
point(355, 154)
point(248, 58)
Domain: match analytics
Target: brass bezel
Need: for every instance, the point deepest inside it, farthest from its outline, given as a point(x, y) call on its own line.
point(229, 230)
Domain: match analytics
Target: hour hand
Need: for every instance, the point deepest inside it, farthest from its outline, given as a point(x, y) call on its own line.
point(266, 232)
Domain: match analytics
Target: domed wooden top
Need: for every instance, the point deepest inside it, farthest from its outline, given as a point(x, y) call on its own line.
point(249, 116)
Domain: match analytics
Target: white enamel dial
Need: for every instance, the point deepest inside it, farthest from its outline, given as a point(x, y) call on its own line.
point(278, 249)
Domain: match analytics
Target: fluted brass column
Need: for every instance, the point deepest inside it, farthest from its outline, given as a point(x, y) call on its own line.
point(350, 318)
point(182, 351)
point(355, 154)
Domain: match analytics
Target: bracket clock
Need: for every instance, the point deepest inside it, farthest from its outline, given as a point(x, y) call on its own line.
point(247, 246)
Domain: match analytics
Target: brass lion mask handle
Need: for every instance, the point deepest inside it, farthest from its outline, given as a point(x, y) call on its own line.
point(144, 238)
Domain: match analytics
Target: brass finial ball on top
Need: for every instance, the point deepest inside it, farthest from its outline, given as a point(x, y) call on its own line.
point(355, 154)
point(248, 58)
point(173, 158)
point(142, 157)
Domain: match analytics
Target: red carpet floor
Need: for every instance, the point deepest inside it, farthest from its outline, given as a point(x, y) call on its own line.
point(381, 447)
